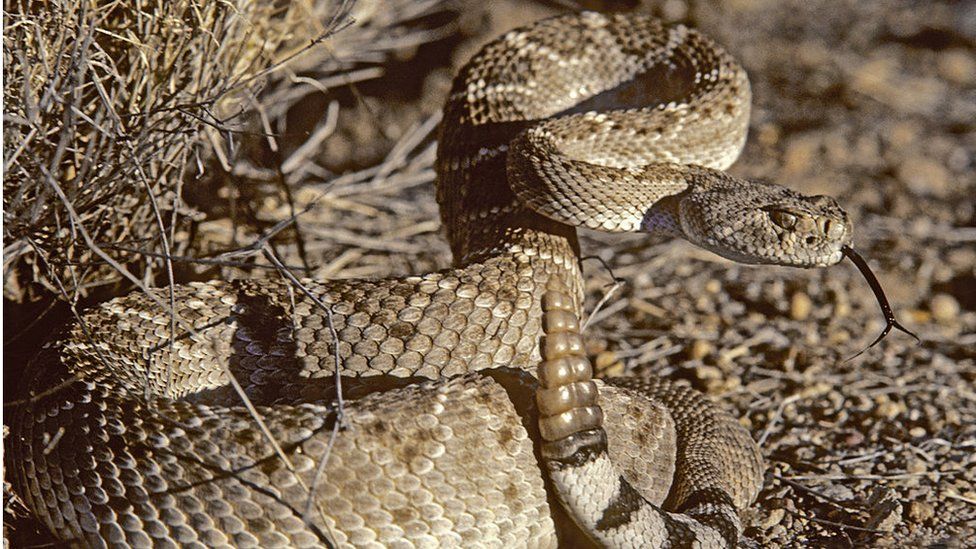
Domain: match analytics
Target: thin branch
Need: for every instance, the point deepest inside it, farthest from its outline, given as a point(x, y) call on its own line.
point(337, 364)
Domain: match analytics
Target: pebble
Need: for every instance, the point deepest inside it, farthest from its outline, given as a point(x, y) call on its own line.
point(778, 531)
point(958, 65)
point(842, 305)
point(800, 306)
point(713, 286)
point(608, 365)
point(800, 155)
point(944, 307)
point(920, 316)
point(882, 79)
point(854, 439)
point(889, 409)
point(768, 134)
point(773, 518)
point(925, 176)
point(674, 10)
point(920, 511)
point(902, 135)
point(916, 465)
point(700, 348)
point(837, 492)
point(953, 417)
point(837, 337)
point(886, 510)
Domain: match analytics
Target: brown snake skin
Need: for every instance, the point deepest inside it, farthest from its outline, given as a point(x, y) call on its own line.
point(131, 438)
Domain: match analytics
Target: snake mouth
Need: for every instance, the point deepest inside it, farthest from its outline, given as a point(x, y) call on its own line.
point(830, 253)
point(773, 248)
point(826, 259)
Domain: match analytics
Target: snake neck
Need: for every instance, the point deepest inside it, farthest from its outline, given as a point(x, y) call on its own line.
point(521, 236)
point(484, 221)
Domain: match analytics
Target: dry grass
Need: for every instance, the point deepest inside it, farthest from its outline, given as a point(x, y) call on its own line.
point(104, 104)
point(112, 109)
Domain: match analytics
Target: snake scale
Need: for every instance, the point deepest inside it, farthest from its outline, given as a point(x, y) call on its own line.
point(470, 418)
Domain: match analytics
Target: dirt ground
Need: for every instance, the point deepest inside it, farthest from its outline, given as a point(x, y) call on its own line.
point(872, 102)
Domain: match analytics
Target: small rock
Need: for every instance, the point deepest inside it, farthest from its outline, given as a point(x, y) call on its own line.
point(903, 134)
point(854, 438)
point(800, 306)
point(674, 10)
point(889, 409)
point(958, 65)
point(842, 302)
point(944, 307)
point(838, 337)
point(594, 346)
point(925, 177)
point(881, 78)
point(713, 286)
point(886, 510)
point(815, 390)
point(953, 417)
point(699, 349)
point(837, 492)
point(608, 365)
point(916, 465)
point(920, 511)
point(773, 518)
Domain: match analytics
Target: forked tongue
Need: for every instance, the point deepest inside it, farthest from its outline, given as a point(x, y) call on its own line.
point(890, 320)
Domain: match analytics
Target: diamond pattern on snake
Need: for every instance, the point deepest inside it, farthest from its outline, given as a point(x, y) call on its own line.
point(471, 418)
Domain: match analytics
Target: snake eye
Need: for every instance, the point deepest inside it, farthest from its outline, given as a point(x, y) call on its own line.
point(783, 219)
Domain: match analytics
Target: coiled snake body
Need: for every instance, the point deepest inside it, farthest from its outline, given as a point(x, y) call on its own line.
point(471, 418)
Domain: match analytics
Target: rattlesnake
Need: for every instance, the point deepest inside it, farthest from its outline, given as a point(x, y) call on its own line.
point(611, 122)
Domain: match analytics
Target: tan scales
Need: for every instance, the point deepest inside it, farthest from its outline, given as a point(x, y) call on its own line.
point(440, 443)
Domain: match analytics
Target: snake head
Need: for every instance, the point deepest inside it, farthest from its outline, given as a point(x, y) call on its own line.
point(756, 222)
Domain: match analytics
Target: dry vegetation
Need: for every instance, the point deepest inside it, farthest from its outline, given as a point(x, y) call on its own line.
point(182, 144)
point(105, 106)
point(113, 109)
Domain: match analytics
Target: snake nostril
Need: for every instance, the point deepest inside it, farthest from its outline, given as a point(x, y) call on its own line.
point(834, 229)
point(810, 239)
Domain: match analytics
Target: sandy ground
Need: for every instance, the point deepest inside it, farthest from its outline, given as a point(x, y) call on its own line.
point(873, 103)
